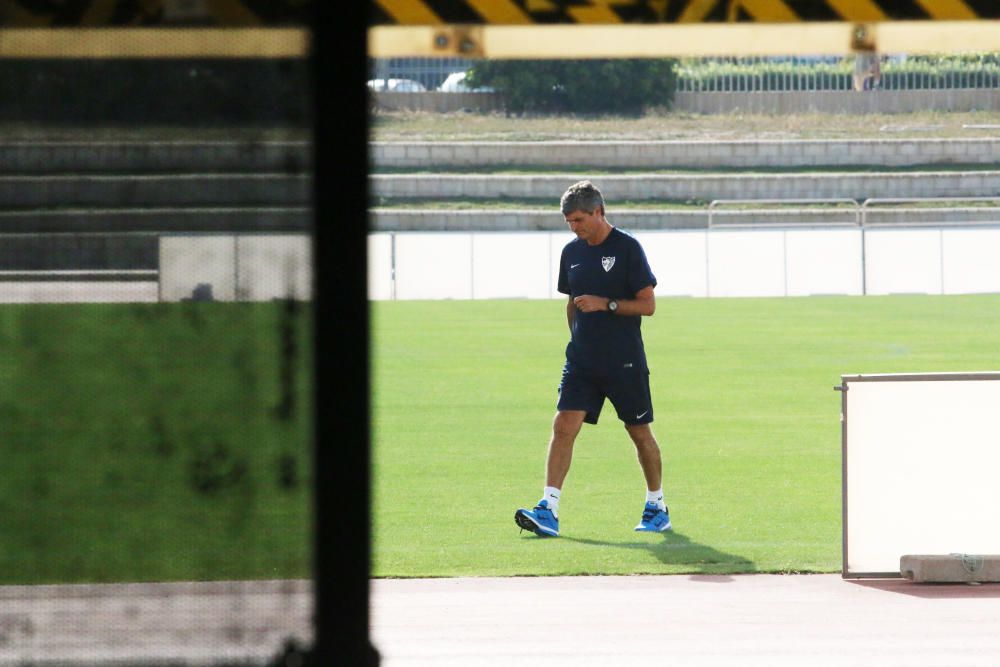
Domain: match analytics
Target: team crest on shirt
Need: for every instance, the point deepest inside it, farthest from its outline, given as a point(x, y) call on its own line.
point(607, 263)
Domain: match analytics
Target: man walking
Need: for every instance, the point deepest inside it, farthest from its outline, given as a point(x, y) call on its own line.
point(610, 286)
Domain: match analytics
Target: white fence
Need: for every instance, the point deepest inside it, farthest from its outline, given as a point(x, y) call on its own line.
point(216, 267)
point(721, 261)
point(237, 267)
point(715, 262)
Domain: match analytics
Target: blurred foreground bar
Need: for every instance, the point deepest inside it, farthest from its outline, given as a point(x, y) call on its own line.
point(191, 623)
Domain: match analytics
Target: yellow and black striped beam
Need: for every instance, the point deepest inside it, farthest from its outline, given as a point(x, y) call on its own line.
point(652, 28)
point(522, 12)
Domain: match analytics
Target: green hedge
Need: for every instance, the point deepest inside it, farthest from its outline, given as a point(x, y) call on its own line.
point(627, 86)
point(917, 72)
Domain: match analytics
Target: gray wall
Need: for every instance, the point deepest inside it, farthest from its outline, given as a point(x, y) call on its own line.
point(825, 101)
point(685, 154)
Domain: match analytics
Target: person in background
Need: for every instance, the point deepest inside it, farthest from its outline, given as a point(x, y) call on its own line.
point(605, 273)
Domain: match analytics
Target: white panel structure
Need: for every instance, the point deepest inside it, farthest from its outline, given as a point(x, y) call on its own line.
point(819, 261)
point(557, 241)
point(678, 261)
point(79, 292)
point(921, 454)
point(380, 282)
point(197, 266)
point(716, 262)
point(510, 265)
point(433, 265)
point(746, 263)
point(970, 261)
point(273, 266)
point(903, 261)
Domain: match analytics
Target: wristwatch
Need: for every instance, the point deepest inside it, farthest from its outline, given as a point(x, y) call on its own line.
point(613, 306)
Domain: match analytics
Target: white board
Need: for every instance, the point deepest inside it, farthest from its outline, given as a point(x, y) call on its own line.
point(921, 463)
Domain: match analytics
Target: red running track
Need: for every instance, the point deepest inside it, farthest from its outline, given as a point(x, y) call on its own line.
point(676, 621)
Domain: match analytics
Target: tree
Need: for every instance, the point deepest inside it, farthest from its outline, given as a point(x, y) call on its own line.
point(582, 86)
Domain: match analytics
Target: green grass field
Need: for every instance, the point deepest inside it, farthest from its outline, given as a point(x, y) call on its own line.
point(746, 416)
point(154, 442)
point(170, 442)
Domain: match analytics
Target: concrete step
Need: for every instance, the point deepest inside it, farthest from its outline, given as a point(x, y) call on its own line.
point(399, 219)
point(680, 187)
point(950, 568)
point(127, 190)
point(46, 157)
point(50, 256)
point(685, 154)
point(163, 220)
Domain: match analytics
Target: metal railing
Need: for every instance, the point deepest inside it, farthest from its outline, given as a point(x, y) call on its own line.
point(767, 74)
point(428, 72)
point(968, 214)
point(819, 210)
point(922, 215)
point(754, 74)
point(764, 213)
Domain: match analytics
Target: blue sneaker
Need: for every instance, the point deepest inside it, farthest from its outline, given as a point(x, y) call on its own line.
point(654, 520)
point(540, 520)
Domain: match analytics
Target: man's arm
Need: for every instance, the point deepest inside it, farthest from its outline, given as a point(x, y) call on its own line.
point(570, 313)
point(644, 303)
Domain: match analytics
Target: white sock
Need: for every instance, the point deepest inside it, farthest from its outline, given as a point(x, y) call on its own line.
point(551, 494)
point(656, 497)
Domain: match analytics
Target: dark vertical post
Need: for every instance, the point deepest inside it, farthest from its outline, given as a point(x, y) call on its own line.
point(341, 435)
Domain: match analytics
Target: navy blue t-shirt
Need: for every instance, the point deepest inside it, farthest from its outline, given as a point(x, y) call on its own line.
point(616, 269)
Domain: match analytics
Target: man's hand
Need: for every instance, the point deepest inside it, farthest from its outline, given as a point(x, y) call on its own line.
point(644, 303)
point(588, 303)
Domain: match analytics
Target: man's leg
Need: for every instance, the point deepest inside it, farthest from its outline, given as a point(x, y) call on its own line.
point(544, 518)
point(565, 427)
point(648, 452)
point(655, 515)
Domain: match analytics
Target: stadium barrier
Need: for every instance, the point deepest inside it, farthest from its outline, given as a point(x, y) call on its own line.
point(717, 262)
point(186, 267)
point(684, 154)
point(764, 102)
point(810, 247)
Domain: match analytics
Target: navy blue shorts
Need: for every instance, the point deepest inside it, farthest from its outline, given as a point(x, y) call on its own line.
point(626, 388)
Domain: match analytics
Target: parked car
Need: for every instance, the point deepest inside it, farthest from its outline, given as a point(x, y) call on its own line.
point(397, 85)
point(455, 83)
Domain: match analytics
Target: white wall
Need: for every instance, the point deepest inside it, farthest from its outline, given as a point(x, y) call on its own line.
point(433, 265)
point(903, 261)
point(715, 262)
point(487, 265)
point(699, 263)
point(511, 265)
point(246, 267)
point(823, 261)
point(678, 260)
point(380, 276)
point(273, 266)
point(190, 260)
point(970, 261)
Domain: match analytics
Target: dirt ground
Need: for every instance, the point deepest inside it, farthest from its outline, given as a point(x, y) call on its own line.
point(461, 126)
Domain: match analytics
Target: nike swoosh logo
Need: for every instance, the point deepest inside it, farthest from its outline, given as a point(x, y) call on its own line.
point(642, 415)
point(573, 266)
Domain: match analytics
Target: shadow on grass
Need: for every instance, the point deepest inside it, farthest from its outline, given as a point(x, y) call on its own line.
point(673, 548)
